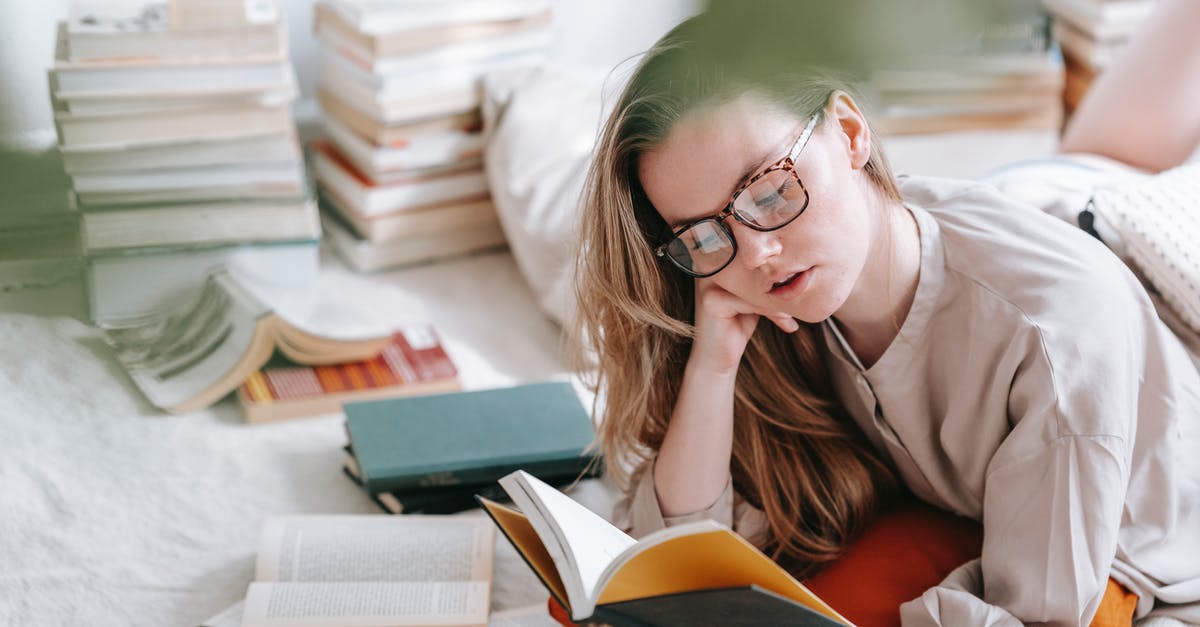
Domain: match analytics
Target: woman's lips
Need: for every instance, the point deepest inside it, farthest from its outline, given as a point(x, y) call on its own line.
point(791, 284)
point(786, 280)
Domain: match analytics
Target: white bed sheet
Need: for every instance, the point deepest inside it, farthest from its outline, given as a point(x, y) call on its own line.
point(112, 513)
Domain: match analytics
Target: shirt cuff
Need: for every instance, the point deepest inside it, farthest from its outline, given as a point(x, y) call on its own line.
point(642, 514)
point(956, 601)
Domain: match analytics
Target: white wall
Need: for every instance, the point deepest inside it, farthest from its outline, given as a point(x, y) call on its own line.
point(589, 33)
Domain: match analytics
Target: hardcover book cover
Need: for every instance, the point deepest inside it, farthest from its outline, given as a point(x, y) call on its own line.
point(469, 437)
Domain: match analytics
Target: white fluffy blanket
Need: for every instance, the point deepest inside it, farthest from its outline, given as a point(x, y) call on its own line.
point(112, 513)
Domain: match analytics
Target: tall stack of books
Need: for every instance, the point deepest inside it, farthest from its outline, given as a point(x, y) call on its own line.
point(1009, 77)
point(1091, 34)
point(175, 127)
point(401, 176)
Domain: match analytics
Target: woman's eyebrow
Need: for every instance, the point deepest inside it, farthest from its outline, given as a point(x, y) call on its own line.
point(755, 167)
point(766, 158)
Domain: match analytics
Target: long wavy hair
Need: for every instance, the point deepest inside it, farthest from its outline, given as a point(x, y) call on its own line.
point(796, 455)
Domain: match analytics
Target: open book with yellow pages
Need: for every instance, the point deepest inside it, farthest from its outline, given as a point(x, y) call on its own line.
point(691, 574)
point(187, 358)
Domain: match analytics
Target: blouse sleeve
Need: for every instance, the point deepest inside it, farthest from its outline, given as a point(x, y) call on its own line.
point(1050, 534)
point(638, 512)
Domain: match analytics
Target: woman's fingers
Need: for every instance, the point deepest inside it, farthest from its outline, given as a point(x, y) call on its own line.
point(785, 322)
point(724, 303)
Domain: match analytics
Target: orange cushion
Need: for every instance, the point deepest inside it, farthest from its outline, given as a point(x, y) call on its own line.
point(911, 548)
point(1116, 608)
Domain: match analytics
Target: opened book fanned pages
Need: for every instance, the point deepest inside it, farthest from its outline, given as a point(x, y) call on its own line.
point(186, 358)
point(691, 574)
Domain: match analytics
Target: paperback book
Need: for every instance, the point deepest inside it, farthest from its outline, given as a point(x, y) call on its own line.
point(689, 574)
point(413, 362)
point(186, 359)
point(367, 255)
point(405, 191)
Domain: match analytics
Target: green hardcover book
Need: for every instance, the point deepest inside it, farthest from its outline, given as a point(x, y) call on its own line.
point(468, 437)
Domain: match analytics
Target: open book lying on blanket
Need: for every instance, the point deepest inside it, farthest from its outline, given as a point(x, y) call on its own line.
point(187, 358)
point(691, 574)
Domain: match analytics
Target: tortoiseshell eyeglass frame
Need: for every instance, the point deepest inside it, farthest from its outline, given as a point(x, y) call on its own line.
point(787, 163)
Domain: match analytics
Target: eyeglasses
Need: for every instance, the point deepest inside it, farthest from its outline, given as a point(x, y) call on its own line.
point(770, 200)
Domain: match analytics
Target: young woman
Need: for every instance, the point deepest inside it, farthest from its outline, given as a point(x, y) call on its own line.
point(786, 334)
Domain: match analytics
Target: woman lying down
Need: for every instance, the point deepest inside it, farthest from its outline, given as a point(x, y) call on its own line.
point(788, 335)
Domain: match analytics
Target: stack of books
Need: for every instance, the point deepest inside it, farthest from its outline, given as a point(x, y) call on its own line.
point(401, 176)
point(433, 454)
point(1009, 77)
point(1091, 34)
point(175, 127)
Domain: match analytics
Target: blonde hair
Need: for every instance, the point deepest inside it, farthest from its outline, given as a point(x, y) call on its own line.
point(796, 455)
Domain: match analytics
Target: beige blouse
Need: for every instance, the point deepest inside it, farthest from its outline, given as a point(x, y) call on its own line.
point(1032, 387)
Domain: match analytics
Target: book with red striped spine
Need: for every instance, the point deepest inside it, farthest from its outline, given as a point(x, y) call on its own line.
point(413, 363)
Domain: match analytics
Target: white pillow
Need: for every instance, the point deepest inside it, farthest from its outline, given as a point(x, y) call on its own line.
point(541, 127)
point(1158, 219)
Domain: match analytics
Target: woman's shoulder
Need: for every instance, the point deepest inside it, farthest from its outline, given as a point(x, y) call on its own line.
point(1015, 252)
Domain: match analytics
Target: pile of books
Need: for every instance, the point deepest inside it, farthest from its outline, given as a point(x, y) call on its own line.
point(1091, 34)
point(1009, 76)
point(433, 454)
point(401, 176)
point(175, 127)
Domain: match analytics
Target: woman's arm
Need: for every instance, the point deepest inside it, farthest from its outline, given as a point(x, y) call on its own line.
point(692, 468)
point(1145, 109)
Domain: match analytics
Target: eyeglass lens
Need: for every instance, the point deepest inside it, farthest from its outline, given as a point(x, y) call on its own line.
point(770, 202)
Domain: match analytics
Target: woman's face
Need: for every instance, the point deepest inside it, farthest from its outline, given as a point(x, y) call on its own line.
point(806, 269)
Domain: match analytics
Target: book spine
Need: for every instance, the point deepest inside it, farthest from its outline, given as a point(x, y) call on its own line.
point(445, 500)
point(575, 464)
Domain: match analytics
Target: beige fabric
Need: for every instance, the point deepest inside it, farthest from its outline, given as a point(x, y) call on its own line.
point(1031, 387)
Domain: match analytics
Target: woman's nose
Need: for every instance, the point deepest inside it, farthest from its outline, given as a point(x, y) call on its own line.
point(756, 247)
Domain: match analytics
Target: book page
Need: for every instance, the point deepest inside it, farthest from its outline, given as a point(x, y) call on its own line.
point(376, 548)
point(366, 604)
point(176, 356)
point(331, 307)
point(581, 543)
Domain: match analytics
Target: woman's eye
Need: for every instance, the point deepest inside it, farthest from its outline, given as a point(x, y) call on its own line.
point(770, 201)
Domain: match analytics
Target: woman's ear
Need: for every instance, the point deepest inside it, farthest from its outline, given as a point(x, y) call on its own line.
point(853, 125)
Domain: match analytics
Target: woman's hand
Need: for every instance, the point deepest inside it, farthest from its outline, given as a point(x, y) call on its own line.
point(724, 324)
point(692, 468)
